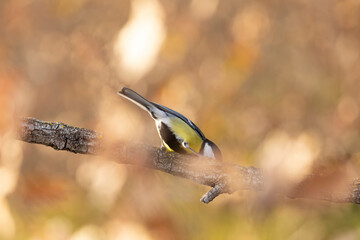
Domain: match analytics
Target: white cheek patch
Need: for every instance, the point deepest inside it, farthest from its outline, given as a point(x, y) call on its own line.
point(208, 152)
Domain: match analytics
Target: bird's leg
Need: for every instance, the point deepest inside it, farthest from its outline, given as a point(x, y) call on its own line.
point(163, 148)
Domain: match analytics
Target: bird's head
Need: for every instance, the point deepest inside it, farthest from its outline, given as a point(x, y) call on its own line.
point(210, 150)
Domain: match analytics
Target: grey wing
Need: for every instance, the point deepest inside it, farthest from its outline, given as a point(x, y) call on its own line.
point(182, 117)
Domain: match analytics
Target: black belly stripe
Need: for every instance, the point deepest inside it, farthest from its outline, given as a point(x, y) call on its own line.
point(169, 138)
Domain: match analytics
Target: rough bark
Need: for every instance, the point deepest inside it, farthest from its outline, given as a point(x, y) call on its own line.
point(221, 176)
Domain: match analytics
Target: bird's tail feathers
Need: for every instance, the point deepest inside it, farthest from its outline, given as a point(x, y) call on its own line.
point(141, 102)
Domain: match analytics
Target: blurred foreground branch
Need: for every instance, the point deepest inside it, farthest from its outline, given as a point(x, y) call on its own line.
point(222, 177)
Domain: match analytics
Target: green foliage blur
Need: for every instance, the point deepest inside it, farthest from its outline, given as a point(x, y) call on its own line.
point(275, 84)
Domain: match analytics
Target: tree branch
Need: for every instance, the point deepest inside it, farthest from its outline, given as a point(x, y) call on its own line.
point(222, 177)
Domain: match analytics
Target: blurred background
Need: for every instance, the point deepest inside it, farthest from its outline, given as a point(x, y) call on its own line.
point(275, 84)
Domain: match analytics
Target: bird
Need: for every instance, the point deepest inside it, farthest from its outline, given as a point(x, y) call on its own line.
point(178, 133)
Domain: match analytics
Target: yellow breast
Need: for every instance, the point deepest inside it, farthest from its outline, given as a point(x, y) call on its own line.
point(185, 132)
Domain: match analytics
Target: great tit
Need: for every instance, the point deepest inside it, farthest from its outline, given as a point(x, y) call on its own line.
point(177, 132)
